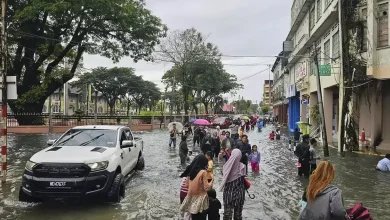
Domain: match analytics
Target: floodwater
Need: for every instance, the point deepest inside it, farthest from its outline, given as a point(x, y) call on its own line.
point(154, 192)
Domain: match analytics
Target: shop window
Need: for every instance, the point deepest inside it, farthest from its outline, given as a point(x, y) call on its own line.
point(327, 52)
point(319, 9)
point(364, 42)
point(312, 18)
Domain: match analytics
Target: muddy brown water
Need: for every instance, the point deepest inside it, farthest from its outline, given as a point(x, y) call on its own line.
point(154, 192)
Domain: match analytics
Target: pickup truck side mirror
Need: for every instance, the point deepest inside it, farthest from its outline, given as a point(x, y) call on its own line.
point(51, 142)
point(127, 143)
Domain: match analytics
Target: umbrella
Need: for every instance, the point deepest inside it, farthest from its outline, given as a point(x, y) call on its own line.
point(201, 122)
point(192, 120)
point(179, 126)
point(245, 117)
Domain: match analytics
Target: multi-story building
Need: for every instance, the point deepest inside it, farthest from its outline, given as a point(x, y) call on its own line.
point(314, 29)
point(374, 101)
point(267, 96)
point(280, 103)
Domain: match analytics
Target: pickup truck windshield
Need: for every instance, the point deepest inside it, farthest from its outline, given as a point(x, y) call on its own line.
point(88, 137)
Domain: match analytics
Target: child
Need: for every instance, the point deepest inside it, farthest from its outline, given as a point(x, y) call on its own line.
point(313, 155)
point(183, 194)
point(255, 159)
point(272, 135)
point(183, 150)
point(210, 174)
point(214, 205)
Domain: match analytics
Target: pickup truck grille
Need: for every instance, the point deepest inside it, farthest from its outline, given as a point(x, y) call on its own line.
point(61, 170)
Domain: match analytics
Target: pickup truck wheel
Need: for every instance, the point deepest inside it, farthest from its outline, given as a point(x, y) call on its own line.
point(24, 197)
point(140, 163)
point(117, 191)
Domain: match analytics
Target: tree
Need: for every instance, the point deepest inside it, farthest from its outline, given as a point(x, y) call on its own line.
point(265, 109)
point(111, 83)
point(189, 53)
point(43, 33)
point(146, 93)
point(242, 105)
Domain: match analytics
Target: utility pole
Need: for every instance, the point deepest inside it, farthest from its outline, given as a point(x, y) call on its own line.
point(66, 92)
point(321, 105)
point(341, 124)
point(4, 92)
point(96, 99)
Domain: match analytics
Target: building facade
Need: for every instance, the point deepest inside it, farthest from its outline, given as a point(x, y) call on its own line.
point(267, 95)
point(280, 103)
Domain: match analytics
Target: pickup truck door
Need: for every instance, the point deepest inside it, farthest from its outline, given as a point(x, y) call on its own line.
point(134, 150)
point(125, 154)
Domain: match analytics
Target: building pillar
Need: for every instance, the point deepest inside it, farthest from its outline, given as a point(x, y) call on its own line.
point(327, 96)
point(376, 117)
point(372, 37)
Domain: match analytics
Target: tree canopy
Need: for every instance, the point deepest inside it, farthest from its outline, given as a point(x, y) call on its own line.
point(119, 82)
point(43, 35)
point(197, 70)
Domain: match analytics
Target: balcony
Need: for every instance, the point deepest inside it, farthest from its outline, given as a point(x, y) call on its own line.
point(298, 12)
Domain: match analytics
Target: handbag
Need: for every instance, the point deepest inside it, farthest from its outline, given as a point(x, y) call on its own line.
point(247, 185)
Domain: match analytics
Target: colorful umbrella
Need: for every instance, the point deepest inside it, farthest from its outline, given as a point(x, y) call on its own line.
point(245, 118)
point(201, 122)
point(179, 126)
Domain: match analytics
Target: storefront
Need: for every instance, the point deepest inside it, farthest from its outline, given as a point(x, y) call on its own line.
point(294, 107)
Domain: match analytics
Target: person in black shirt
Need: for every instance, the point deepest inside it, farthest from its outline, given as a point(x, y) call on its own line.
point(303, 153)
point(246, 149)
point(197, 133)
point(297, 134)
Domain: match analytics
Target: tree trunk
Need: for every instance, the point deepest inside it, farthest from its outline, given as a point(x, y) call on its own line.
point(206, 107)
point(112, 105)
point(30, 114)
point(128, 107)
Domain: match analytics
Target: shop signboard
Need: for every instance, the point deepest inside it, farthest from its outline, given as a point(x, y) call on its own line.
point(300, 71)
point(325, 70)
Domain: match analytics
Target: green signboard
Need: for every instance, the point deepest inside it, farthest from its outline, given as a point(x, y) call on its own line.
point(325, 70)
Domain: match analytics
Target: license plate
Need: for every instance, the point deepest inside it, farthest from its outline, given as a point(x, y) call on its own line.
point(57, 184)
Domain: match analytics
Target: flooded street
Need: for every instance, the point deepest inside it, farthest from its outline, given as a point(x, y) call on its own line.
point(154, 192)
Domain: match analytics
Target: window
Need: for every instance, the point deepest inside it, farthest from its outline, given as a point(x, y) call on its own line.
point(319, 9)
point(336, 45)
point(364, 34)
point(383, 25)
point(56, 109)
point(312, 18)
point(327, 52)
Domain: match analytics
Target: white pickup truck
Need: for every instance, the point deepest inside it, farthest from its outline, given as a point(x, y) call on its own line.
point(85, 162)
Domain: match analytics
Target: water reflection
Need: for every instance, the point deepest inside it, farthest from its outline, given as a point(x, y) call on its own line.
point(154, 192)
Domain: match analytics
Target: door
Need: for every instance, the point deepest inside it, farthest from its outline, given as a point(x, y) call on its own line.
point(126, 154)
point(134, 150)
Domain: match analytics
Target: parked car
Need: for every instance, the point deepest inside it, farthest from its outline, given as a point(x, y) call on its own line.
point(85, 162)
point(222, 122)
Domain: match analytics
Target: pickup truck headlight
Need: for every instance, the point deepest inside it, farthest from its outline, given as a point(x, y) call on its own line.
point(98, 166)
point(30, 165)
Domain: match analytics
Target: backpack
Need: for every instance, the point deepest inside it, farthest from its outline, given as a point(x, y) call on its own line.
point(359, 212)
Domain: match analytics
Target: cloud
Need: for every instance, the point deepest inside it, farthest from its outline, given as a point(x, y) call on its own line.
point(237, 27)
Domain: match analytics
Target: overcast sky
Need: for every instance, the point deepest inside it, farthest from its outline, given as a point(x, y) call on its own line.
point(237, 27)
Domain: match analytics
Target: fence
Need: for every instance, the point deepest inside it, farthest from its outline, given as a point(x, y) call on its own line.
point(58, 123)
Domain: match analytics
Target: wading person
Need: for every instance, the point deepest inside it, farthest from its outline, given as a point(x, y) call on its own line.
point(303, 154)
point(233, 186)
point(197, 201)
point(183, 150)
point(246, 149)
point(173, 132)
point(210, 166)
point(384, 164)
point(234, 128)
point(207, 143)
point(313, 155)
point(324, 201)
point(197, 133)
point(255, 159)
point(228, 143)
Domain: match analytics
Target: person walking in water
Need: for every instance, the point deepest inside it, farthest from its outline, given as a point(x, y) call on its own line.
point(234, 128)
point(183, 150)
point(324, 201)
point(246, 149)
point(228, 143)
point(255, 159)
point(173, 132)
point(233, 186)
point(210, 166)
point(303, 154)
point(313, 155)
point(196, 201)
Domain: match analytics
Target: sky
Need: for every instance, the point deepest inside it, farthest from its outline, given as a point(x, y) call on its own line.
point(237, 27)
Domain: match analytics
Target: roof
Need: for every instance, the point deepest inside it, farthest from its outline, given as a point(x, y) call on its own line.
point(101, 127)
point(277, 61)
